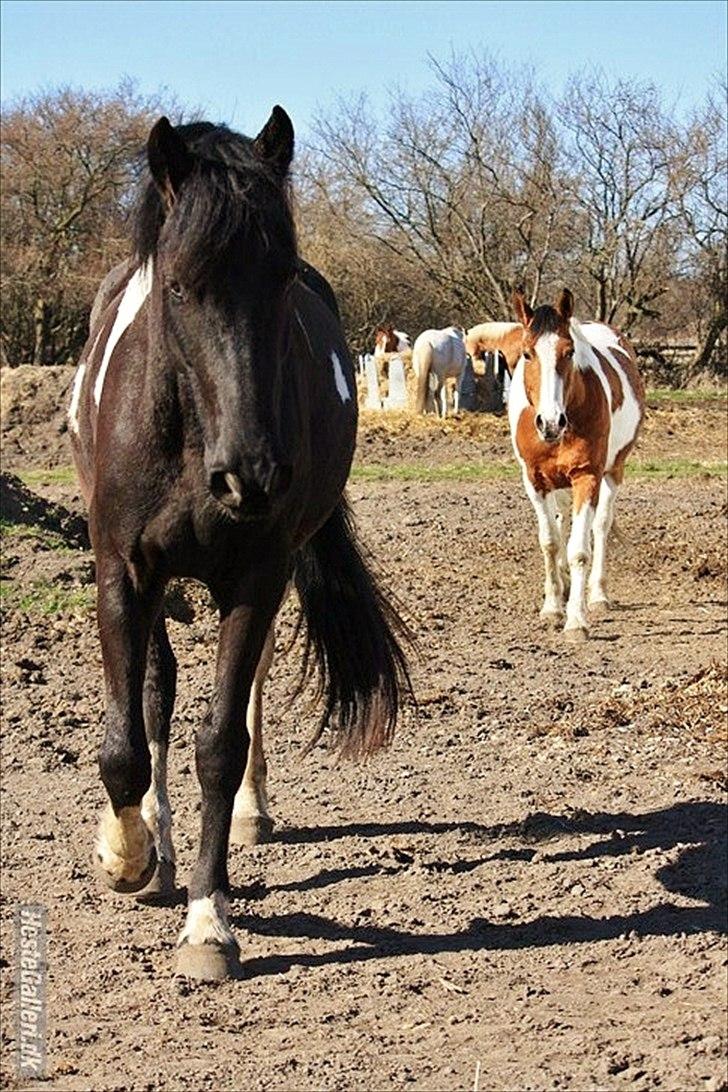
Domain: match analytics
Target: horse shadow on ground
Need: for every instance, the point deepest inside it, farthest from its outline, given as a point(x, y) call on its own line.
point(699, 829)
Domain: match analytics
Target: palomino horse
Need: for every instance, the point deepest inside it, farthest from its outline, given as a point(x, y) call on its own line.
point(438, 355)
point(389, 340)
point(575, 408)
point(213, 422)
point(491, 337)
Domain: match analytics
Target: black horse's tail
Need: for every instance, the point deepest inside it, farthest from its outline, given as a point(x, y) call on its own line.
point(352, 633)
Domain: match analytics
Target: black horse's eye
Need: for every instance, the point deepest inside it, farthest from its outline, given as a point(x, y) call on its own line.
point(175, 291)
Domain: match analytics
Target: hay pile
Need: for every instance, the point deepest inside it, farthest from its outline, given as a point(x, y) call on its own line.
point(696, 708)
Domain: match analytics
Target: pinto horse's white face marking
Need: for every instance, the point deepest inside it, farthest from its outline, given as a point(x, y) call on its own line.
point(135, 293)
point(340, 380)
point(550, 410)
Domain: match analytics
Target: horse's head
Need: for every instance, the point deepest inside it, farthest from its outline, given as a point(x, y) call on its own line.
point(548, 355)
point(385, 340)
point(216, 224)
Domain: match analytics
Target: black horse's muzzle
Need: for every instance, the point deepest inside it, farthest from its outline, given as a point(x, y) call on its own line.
point(249, 492)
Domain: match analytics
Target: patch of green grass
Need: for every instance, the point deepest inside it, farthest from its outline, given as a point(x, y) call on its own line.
point(448, 472)
point(686, 397)
point(56, 475)
point(676, 468)
point(45, 598)
point(50, 540)
point(501, 471)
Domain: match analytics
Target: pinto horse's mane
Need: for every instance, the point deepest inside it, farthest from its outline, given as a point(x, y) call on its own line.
point(231, 207)
point(546, 320)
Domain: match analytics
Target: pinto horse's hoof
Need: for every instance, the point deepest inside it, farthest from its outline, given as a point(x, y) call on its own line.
point(599, 607)
point(251, 830)
point(162, 884)
point(576, 635)
point(209, 962)
point(125, 887)
point(551, 619)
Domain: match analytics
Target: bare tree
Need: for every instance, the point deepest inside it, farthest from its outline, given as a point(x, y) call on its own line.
point(69, 163)
point(704, 216)
point(622, 150)
point(463, 183)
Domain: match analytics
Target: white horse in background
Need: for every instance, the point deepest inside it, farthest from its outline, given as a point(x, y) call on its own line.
point(438, 356)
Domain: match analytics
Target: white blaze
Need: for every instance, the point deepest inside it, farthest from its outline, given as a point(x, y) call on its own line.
point(551, 392)
point(340, 379)
point(136, 291)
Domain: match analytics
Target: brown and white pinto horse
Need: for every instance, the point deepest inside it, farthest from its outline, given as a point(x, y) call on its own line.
point(389, 340)
point(575, 407)
point(213, 422)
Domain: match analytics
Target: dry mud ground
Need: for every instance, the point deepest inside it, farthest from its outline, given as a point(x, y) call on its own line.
point(527, 892)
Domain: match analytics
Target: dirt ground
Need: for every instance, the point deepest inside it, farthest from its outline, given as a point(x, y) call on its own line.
point(527, 892)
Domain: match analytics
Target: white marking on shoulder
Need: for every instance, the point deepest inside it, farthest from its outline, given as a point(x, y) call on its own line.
point(625, 421)
point(76, 398)
point(340, 379)
point(135, 293)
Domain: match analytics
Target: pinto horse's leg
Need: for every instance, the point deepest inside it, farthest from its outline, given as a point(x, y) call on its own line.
point(598, 598)
point(251, 822)
point(207, 948)
point(159, 693)
point(552, 611)
point(125, 856)
point(585, 492)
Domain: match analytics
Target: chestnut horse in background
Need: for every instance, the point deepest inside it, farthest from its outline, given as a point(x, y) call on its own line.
point(389, 340)
point(575, 408)
point(213, 422)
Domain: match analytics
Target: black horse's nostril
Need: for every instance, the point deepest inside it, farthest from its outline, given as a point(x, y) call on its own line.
point(562, 420)
point(226, 488)
point(539, 422)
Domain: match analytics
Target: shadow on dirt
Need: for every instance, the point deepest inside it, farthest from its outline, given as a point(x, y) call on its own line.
point(698, 829)
point(19, 505)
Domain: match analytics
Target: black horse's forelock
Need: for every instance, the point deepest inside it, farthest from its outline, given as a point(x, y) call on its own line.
point(546, 320)
point(231, 206)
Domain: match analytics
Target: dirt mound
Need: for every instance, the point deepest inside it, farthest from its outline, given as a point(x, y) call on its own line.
point(33, 422)
point(19, 505)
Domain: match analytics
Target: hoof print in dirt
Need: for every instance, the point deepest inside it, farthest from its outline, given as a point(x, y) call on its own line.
point(208, 962)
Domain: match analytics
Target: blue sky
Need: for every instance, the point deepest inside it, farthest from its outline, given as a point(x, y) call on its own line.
point(235, 59)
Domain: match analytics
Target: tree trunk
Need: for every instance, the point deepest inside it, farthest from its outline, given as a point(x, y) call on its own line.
point(702, 358)
point(40, 328)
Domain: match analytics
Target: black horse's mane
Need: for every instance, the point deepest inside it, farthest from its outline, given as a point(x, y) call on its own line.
point(231, 210)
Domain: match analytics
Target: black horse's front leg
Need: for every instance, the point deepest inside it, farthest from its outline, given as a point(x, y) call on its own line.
point(207, 948)
point(124, 855)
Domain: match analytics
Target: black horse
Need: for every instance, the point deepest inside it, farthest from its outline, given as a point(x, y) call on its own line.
point(213, 422)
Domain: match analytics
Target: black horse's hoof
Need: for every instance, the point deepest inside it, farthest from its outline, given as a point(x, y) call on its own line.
point(210, 962)
point(125, 887)
point(162, 884)
point(251, 830)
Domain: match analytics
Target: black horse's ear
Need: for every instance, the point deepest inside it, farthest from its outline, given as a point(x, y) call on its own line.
point(274, 142)
point(524, 312)
point(169, 159)
point(565, 305)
